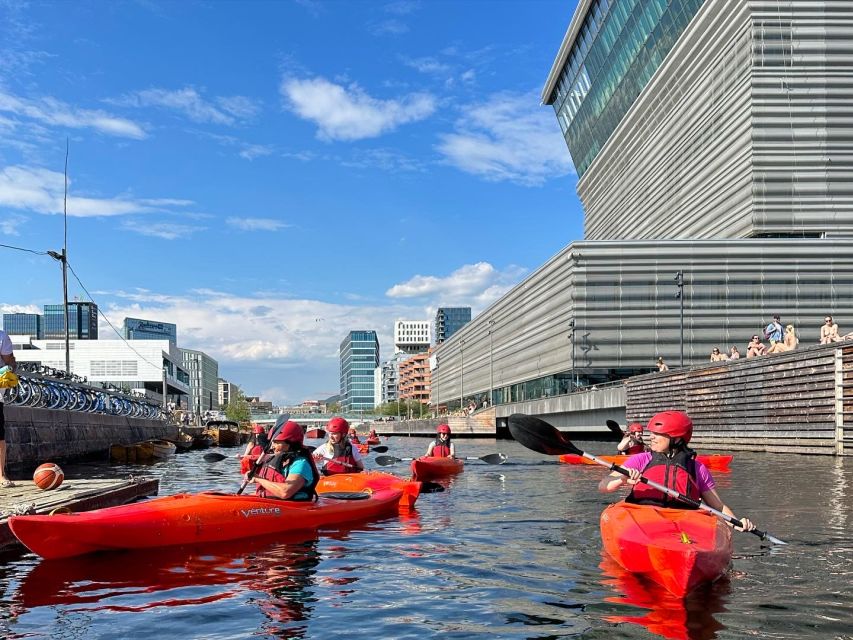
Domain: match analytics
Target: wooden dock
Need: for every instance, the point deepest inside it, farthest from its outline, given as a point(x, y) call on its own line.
point(73, 495)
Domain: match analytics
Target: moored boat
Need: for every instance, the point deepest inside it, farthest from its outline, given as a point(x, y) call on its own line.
point(162, 448)
point(203, 441)
point(225, 433)
point(372, 480)
point(315, 434)
point(714, 462)
point(678, 549)
point(430, 468)
point(192, 518)
point(183, 442)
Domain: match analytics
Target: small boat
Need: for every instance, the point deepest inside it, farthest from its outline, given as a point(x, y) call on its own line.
point(137, 453)
point(430, 468)
point(373, 481)
point(203, 441)
point(226, 433)
point(183, 442)
point(678, 549)
point(714, 462)
point(162, 449)
point(193, 518)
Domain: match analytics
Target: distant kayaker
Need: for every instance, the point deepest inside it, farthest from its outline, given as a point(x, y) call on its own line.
point(353, 436)
point(290, 474)
point(338, 454)
point(441, 447)
point(254, 448)
point(633, 441)
point(670, 463)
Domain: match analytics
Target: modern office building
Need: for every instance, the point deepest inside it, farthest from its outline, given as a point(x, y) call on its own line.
point(82, 321)
point(359, 357)
point(226, 391)
point(23, 324)
point(415, 378)
point(204, 377)
point(710, 140)
point(448, 320)
point(388, 374)
point(411, 336)
point(138, 329)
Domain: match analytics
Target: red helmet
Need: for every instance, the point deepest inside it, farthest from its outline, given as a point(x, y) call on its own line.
point(443, 428)
point(258, 429)
point(291, 433)
point(675, 424)
point(635, 428)
point(337, 425)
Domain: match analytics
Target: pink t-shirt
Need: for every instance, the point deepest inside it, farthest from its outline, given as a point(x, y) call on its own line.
point(704, 479)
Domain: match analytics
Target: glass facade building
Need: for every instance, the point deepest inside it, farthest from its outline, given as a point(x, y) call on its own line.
point(449, 320)
point(82, 321)
point(24, 324)
point(204, 380)
point(138, 329)
point(618, 48)
point(359, 355)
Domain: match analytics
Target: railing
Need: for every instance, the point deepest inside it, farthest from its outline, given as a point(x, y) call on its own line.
point(48, 388)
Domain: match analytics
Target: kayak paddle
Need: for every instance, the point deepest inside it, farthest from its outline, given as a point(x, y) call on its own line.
point(214, 457)
point(492, 458)
point(380, 449)
point(539, 436)
point(614, 427)
point(279, 423)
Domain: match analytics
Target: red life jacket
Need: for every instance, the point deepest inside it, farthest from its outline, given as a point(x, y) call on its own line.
point(343, 460)
point(248, 461)
point(276, 470)
point(675, 472)
point(634, 448)
point(441, 448)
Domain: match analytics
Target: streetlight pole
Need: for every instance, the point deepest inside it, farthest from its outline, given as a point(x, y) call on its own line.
point(574, 385)
point(679, 283)
point(491, 367)
point(461, 372)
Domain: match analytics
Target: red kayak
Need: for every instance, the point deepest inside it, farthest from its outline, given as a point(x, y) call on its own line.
point(679, 549)
point(714, 462)
point(372, 481)
point(430, 468)
point(192, 518)
point(373, 441)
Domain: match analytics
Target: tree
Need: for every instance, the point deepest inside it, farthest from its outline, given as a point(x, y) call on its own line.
point(334, 407)
point(238, 409)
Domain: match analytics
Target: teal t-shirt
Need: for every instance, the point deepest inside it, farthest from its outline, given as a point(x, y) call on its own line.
point(301, 467)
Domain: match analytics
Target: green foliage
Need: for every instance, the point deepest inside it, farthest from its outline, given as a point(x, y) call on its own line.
point(238, 409)
point(334, 407)
point(404, 409)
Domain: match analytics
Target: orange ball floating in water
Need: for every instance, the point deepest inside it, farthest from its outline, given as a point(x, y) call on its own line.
point(48, 476)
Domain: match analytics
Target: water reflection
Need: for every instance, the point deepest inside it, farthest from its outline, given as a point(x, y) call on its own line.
point(691, 618)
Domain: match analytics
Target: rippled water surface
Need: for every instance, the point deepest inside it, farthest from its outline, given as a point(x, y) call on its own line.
point(510, 551)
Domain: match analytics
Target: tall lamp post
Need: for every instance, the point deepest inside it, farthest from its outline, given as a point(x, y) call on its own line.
point(679, 283)
point(461, 372)
point(574, 385)
point(491, 367)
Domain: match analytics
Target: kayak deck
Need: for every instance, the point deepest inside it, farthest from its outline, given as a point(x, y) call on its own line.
point(714, 461)
point(431, 468)
point(191, 518)
point(372, 481)
point(676, 548)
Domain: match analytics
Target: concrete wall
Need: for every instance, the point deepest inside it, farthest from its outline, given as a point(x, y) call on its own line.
point(34, 436)
point(585, 411)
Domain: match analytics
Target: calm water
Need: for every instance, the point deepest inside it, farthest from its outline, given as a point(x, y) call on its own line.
point(509, 551)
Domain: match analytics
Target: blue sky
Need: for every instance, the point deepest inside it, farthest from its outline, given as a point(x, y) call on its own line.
point(270, 175)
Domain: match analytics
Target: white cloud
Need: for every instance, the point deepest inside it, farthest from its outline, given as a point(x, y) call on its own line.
point(9, 224)
point(41, 191)
point(388, 27)
point(246, 150)
point(475, 285)
point(427, 65)
point(402, 7)
point(511, 138)
point(348, 113)
point(257, 224)
point(53, 112)
point(190, 103)
point(164, 230)
point(384, 159)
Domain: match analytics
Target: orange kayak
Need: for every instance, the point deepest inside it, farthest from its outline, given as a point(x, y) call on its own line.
point(430, 468)
point(373, 441)
point(192, 518)
point(371, 481)
point(714, 462)
point(678, 549)
point(363, 448)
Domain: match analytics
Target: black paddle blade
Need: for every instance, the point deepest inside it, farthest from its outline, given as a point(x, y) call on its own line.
point(494, 458)
point(431, 487)
point(380, 449)
point(214, 457)
point(384, 461)
point(539, 436)
point(614, 427)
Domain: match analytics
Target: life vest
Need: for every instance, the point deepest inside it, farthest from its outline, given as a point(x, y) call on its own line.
point(634, 448)
point(276, 470)
point(441, 448)
point(342, 460)
point(354, 439)
point(675, 472)
point(248, 461)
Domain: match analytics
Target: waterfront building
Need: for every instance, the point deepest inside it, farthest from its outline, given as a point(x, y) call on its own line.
point(226, 391)
point(204, 377)
point(138, 329)
point(448, 320)
point(415, 378)
point(23, 324)
point(412, 336)
point(135, 365)
point(82, 321)
point(389, 379)
point(359, 358)
point(713, 165)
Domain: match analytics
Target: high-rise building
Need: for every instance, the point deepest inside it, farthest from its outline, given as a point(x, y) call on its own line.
point(359, 356)
point(411, 336)
point(415, 378)
point(227, 390)
point(204, 380)
point(389, 378)
point(23, 324)
point(138, 329)
point(448, 320)
point(82, 321)
point(713, 158)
